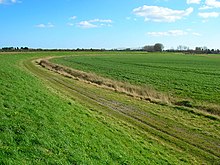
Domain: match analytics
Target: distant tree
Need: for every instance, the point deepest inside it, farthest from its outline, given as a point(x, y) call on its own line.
point(7, 48)
point(158, 47)
point(24, 48)
point(198, 49)
point(148, 48)
point(182, 48)
point(179, 47)
point(204, 48)
point(209, 51)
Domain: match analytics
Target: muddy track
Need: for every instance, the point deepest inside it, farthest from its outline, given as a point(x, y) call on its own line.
point(146, 122)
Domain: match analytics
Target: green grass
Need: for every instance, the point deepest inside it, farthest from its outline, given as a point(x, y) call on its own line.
point(46, 118)
point(186, 76)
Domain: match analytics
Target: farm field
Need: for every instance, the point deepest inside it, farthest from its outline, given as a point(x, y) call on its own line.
point(194, 78)
point(47, 118)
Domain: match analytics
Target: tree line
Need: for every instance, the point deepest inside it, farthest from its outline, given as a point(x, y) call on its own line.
point(14, 48)
point(158, 47)
point(197, 50)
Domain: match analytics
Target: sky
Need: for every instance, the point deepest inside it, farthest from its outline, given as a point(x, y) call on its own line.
point(109, 23)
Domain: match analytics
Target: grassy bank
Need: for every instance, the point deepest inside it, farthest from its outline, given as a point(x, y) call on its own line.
point(49, 119)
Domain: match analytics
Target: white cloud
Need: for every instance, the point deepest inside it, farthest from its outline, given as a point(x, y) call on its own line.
point(205, 7)
point(196, 34)
point(129, 18)
point(204, 21)
point(189, 30)
point(213, 3)
point(48, 25)
point(168, 33)
point(210, 4)
point(9, 1)
point(41, 25)
point(94, 23)
point(70, 24)
point(173, 33)
point(193, 1)
point(73, 17)
point(101, 20)
point(209, 14)
point(161, 14)
point(86, 25)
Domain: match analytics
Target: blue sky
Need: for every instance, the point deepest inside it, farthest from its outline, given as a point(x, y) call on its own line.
point(109, 23)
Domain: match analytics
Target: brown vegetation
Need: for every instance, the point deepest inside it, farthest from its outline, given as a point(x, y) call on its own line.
point(145, 93)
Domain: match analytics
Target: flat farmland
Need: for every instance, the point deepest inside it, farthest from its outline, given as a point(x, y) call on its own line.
point(49, 118)
point(191, 77)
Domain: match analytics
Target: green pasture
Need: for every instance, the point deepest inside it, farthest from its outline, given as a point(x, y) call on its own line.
point(195, 77)
point(46, 118)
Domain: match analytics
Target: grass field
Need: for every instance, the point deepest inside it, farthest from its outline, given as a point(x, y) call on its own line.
point(194, 77)
point(46, 118)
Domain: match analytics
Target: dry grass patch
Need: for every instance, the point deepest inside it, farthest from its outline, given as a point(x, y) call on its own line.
point(145, 93)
